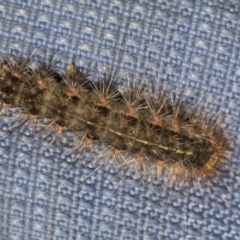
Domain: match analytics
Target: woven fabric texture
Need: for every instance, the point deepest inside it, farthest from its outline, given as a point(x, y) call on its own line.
point(191, 45)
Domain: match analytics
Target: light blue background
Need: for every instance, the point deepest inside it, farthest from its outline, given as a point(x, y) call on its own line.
point(178, 43)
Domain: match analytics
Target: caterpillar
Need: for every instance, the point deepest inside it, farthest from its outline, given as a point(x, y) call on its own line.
point(152, 133)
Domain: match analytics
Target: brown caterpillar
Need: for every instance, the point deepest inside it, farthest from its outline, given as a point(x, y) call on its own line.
point(150, 133)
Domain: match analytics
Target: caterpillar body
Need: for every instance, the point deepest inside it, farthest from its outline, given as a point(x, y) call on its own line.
point(150, 133)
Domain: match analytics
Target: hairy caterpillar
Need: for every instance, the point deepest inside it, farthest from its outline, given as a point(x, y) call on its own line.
point(153, 132)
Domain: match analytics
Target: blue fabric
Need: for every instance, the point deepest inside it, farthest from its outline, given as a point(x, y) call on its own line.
point(178, 43)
